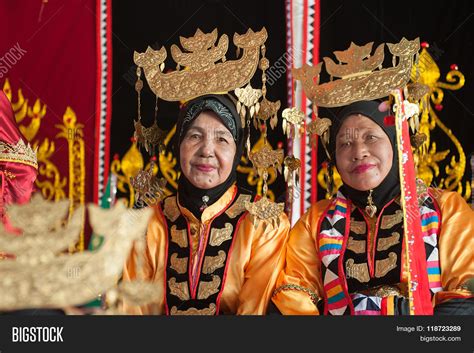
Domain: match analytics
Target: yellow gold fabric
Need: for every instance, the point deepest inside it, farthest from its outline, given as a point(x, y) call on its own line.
point(256, 258)
point(456, 245)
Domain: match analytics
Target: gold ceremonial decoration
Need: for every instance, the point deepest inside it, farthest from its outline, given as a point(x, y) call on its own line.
point(212, 263)
point(264, 209)
point(388, 221)
point(127, 168)
point(180, 265)
point(211, 310)
point(386, 243)
point(18, 153)
point(179, 289)
point(358, 227)
point(361, 75)
point(357, 246)
point(382, 267)
point(206, 289)
point(253, 178)
point(239, 206)
point(427, 73)
point(358, 271)
point(72, 132)
point(292, 117)
point(202, 72)
point(50, 181)
point(220, 235)
point(43, 276)
point(179, 236)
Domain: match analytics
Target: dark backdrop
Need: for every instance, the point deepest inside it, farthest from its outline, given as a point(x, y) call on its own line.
point(446, 25)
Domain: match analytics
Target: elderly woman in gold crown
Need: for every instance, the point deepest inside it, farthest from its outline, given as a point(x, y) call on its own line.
point(349, 255)
point(201, 243)
point(205, 247)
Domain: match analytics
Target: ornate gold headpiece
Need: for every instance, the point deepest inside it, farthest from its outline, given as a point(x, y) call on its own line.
point(205, 68)
point(202, 68)
point(361, 75)
point(19, 153)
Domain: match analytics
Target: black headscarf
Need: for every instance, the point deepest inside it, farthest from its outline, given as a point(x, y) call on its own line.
point(189, 195)
point(390, 186)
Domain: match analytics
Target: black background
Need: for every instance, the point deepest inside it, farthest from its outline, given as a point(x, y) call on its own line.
point(446, 25)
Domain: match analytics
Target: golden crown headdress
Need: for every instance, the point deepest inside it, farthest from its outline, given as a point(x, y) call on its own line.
point(202, 68)
point(19, 153)
point(361, 76)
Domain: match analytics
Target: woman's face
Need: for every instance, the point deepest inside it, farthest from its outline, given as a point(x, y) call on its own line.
point(364, 153)
point(207, 151)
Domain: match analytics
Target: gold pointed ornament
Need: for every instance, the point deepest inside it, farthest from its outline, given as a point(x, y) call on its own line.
point(291, 172)
point(293, 118)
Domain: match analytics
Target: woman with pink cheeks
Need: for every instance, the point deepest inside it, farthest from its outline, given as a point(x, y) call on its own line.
point(345, 255)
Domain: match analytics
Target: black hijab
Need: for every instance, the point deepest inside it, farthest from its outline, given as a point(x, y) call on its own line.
point(390, 186)
point(189, 195)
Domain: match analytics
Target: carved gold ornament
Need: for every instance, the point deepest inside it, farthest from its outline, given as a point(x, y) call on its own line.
point(205, 68)
point(361, 76)
point(42, 280)
point(248, 101)
point(292, 117)
point(266, 158)
point(265, 210)
point(428, 159)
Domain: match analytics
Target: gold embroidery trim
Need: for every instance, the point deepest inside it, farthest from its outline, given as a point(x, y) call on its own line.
point(179, 236)
point(389, 221)
point(211, 310)
point(358, 271)
point(180, 289)
point(382, 267)
point(357, 246)
point(385, 290)
point(206, 289)
point(314, 297)
point(171, 209)
point(212, 263)
point(180, 265)
point(8, 174)
point(358, 227)
point(385, 243)
point(218, 236)
point(239, 206)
